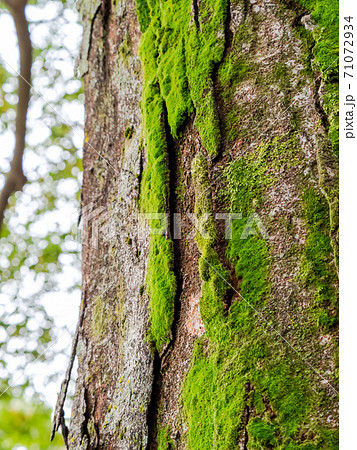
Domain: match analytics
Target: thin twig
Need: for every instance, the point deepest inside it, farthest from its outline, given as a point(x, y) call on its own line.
point(15, 178)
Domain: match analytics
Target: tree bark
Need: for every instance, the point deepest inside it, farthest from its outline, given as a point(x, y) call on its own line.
point(247, 359)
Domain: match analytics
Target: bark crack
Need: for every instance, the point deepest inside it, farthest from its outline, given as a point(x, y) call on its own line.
point(318, 104)
point(85, 442)
point(141, 168)
point(228, 38)
point(195, 11)
point(107, 9)
point(91, 30)
point(247, 413)
point(161, 360)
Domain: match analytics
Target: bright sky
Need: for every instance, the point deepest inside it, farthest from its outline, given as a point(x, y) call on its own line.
point(60, 305)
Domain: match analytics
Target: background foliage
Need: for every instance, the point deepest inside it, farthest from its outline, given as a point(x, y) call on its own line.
point(39, 257)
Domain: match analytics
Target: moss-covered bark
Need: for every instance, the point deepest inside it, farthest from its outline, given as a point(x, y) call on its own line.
point(232, 109)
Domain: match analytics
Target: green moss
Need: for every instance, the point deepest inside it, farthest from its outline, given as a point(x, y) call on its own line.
point(266, 164)
point(251, 259)
point(244, 364)
point(204, 51)
point(325, 51)
point(233, 123)
point(316, 267)
point(164, 441)
point(213, 274)
point(161, 284)
point(207, 234)
point(216, 392)
point(143, 12)
point(331, 107)
point(128, 133)
point(322, 54)
point(181, 59)
point(178, 61)
point(141, 290)
point(101, 318)
point(261, 434)
point(238, 66)
point(163, 58)
point(160, 276)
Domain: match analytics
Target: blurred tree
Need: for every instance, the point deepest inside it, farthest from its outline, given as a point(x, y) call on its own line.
point(15, 178)
point(39, 257)
point(25, 423)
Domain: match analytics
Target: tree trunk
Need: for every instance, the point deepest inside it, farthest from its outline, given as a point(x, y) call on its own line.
point(207, 342)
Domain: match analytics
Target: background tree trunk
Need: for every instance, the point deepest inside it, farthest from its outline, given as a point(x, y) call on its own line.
point(207, 343)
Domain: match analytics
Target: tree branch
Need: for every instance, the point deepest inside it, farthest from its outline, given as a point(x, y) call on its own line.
point(15, 178)
point(58, 416)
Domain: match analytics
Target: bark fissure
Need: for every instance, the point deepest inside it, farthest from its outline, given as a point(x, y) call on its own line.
point(220, 108)
point(247, 413)
point(87, 415)
point(153, 405)
point(141, 168)
point(318, 104)
point(219, 103)
point(297, 19)
point(162, 360)
point(173, 178)
point(195, 13)
point(91, 25)
point(107, 10)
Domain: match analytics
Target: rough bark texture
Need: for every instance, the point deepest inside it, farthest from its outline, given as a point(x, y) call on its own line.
point(116, 370)
point(207, 343)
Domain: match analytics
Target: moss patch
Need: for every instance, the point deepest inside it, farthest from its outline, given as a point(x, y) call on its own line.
point(178, 59)
point(316, 268)
point(164, 441)
point(180, 54)
point(101, 318)
point(128, 133)
point(322, 55)
point(104, 316)
point(240, 363)
point(244, 379)
point(212, 272)
point(154, 189)
point(325, 51)
point(250, 370)
point(161, 284)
